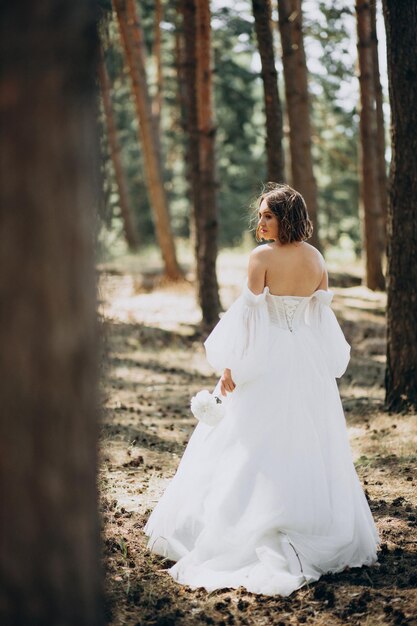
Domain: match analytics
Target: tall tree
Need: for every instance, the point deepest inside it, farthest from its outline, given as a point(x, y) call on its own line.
point(379, 101)
point(273, 112)
point(201, 136)
point(157, 51)
point(401, 372)
point(49, 542)
point(374, 221)
point(206, 212)
point(298, 105)
point(187, 107)
point(126, 213)
point(132, 40)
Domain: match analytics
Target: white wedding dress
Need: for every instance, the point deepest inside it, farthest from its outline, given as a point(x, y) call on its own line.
point(269, 498)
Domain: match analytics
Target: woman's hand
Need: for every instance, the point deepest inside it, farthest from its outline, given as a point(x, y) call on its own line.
point(226, 382)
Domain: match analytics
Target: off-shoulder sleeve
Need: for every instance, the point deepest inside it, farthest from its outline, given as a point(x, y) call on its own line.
point(323, 321)
point(240, 339)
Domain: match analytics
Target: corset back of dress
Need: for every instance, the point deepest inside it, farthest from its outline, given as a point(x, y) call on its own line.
point(286, 311)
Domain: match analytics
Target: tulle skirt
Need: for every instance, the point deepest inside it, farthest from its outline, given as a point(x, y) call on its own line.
point(268, 499)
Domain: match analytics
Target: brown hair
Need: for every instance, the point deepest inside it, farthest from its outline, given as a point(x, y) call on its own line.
point(290, 209)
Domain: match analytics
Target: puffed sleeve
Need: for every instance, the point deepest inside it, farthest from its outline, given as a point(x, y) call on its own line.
point(321, 318)
point(240, 339)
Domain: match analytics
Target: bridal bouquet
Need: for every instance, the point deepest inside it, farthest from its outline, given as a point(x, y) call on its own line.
point(208, 407)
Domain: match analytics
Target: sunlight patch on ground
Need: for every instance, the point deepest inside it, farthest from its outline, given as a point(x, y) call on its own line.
point(156, 309)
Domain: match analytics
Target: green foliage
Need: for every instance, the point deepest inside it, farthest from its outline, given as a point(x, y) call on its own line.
point(239, 116)
point(241, 159)
point(239, 120)
point(335, 122)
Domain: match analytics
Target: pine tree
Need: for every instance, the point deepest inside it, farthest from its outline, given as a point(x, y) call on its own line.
point(273, 112)
point(201, 155)
point(374, 220)
point(401, 372)
point(298, 105)
point(129, 227)
point(49, 541)
point(132, 38)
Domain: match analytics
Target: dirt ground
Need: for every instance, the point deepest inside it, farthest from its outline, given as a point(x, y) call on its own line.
point(153, 363)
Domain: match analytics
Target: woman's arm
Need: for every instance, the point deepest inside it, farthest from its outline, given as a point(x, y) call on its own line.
point(256, 283)
point(257, 270)
point(324, 283)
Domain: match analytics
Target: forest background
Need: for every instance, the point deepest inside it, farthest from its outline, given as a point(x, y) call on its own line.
point(330, 42)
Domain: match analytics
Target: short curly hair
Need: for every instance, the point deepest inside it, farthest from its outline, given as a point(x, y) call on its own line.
point(290, 209)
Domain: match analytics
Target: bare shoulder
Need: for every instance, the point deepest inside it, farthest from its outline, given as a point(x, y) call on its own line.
point(260, 250)
point(259, 255)
point(264, 251)
point(315, 253)
point(257, 267)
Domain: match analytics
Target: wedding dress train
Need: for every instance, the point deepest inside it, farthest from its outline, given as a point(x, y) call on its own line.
point(269, 498)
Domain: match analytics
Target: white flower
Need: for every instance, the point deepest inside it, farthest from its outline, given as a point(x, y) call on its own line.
point(207, 408)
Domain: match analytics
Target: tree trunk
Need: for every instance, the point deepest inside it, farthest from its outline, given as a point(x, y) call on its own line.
point(180, 63)
point(49, 542)
point(157, 51)
point(187, 9)
point(373, 216)
point(201, 135)
point(298, 106)
point(382, 166)
point(183, 108)
point(401, 372)
point(132, 40)
point(115, 151)
point(206, 211)
point(273, 111)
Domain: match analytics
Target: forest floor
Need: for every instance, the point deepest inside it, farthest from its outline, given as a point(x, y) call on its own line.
point(153, 362)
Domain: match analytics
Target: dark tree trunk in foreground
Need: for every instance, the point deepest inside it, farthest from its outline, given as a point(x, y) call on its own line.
point(273, 111)
point(132, 40)
point(298, 106)
point(379, 99)
point(401, 372)
point(371, 192)
point(201, 136)
point(49, 527)
point(126, 212)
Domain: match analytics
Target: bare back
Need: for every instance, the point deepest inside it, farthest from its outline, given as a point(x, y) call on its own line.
point(293, 270)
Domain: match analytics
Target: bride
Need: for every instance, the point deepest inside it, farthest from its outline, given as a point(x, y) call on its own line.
point(269, 499)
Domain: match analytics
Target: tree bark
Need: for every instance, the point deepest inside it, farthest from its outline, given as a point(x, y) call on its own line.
point(129, 227)
point(379, 99)
point(157, 51)
point(371, 193)
point(49, 541)
point(273, 111)
point(401, 371)
point(132, 40)
point(187, 9)
point(201, 137)
point(207, 221)
point(183, 108)
point(298, 106)
point(180, 66)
